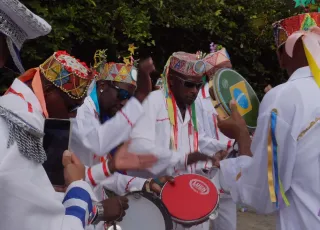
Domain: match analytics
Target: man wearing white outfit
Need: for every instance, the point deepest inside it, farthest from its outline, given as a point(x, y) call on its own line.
point(279, 171)
point(169, 126)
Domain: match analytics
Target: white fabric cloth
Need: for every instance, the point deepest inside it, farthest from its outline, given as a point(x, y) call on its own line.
point(298, 157)
point(151, 134)
point(210, 138)
point(28, 200)
point(90, 138)
point(18, 23)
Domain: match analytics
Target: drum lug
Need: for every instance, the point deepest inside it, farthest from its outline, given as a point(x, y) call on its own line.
point(214, 215)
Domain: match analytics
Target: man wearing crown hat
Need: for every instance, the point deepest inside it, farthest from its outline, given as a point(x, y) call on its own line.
point(169, 126)
point(207, 120)
point(279, 170)
point(17, 24)
point(25, 184)
point(114, 103)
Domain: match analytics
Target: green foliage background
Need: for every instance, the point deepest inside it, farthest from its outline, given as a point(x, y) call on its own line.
point(160, 27)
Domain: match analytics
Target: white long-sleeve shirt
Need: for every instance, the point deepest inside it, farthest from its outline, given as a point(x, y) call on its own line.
point(297, 135)
point(28, 200)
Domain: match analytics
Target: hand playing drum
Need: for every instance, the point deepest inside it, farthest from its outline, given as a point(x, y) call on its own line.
point(114, 208)
point(155, 185)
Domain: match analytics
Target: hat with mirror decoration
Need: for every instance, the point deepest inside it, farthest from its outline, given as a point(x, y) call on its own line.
point(186, 64)
point(18, 24)
point(119, 72)
point(68, 73)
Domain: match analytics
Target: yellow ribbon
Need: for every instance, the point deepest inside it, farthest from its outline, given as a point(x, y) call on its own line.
point(270, 169)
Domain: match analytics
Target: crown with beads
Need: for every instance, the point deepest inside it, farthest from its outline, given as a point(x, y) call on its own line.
point(68, 73)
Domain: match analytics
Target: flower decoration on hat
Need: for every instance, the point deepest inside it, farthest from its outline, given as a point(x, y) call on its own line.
point(68, 73)
point(304, 3)
point(129, 60)
point(119, 72)
point(100, 59)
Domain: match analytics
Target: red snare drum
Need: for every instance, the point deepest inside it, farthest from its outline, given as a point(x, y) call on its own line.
point(191, 200)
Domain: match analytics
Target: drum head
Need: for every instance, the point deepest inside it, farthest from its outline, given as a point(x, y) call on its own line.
point(192, 198)
point(145, 212)
point(228, 85)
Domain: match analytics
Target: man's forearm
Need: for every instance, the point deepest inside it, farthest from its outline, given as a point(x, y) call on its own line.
point(244, 144)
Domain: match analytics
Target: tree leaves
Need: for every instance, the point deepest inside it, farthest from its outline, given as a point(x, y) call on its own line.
point(159, 28)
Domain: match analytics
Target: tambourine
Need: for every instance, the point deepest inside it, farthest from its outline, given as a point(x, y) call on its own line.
point(227, 84)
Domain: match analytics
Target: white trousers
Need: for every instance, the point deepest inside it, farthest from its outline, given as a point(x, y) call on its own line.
point(227, 218)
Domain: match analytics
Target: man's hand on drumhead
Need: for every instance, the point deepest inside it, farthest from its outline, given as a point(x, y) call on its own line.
point(233, 125)
point(219, 156)
point(124, 160)
point(114, 208)
point(196, 157)
point(157, 184)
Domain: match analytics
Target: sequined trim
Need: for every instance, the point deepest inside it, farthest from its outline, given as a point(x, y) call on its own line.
point(308, 128)
point(28, 138)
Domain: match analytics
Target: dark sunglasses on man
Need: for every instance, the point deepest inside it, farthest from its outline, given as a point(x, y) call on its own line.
point(190, 84)
point(122, 93)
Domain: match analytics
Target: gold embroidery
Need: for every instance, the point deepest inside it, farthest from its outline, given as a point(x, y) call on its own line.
point(308, 128)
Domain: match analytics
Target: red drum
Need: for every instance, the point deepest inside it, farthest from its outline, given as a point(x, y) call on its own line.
point(191, 200)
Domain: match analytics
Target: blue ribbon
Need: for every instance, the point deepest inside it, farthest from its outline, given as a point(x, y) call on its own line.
point(275, 155)
point(94, 97)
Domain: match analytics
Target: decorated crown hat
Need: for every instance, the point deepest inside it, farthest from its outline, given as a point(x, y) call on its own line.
point(217, 60)
point(286, 27)
point(18, 23)
point(187, 64)
point(119, 72)
point(67, 73)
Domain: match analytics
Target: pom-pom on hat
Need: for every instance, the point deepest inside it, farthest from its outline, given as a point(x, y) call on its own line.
point(67, 73)
point(286, 27)
point(18, 24)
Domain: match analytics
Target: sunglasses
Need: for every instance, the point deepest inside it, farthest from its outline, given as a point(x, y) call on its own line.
point(122, 93)
point(190, 84)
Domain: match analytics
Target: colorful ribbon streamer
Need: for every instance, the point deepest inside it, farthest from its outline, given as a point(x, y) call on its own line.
point(311, 44)
point(275, 184)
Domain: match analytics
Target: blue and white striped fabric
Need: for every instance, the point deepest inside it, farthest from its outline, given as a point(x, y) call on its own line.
point(78, 203)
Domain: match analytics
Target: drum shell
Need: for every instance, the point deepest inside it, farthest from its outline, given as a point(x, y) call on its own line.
point(157, 202)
